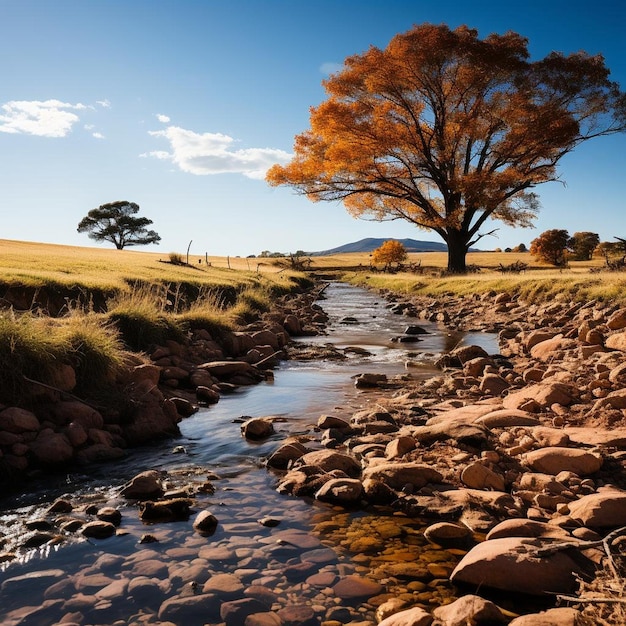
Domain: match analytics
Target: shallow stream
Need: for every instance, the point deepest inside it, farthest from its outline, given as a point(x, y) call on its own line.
point(312, 547)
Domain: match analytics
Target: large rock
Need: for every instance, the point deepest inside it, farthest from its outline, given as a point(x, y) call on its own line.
point(511, 564)
point(616, 342)
point(540, 396)
point(52, 448)
point(16, 420)
point(341, 491)
point(398, 475)
point(617, 320)
point(328, 460)
point(605, 509)
point(561, 616)
point(556, 459)
point(144, 486)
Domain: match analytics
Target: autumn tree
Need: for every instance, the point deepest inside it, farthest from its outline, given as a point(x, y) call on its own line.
point(390, 252)
point(582, 245)
point(551, 246)
point(447, 131)
point(116, 223)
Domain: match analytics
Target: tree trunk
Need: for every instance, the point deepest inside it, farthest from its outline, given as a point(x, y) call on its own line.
point(457, 251)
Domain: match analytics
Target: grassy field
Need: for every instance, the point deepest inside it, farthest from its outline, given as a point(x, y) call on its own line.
point(40, 264)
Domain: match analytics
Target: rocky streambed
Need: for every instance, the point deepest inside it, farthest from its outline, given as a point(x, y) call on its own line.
point(493, 492)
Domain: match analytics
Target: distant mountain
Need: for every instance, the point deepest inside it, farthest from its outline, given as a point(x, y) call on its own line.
point(371, 243)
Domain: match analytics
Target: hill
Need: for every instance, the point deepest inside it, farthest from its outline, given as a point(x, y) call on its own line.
point(371, 243)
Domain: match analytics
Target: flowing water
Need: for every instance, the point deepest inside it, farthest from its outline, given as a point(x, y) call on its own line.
point(338, 542)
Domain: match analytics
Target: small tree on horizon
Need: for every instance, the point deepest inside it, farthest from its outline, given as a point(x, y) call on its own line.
point(388, 253)
point(116, 223)
point(551, 247)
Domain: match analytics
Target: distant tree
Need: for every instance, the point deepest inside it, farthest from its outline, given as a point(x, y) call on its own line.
point(116, 222)
point(448, 131)
point(520, 248)
point(551, 246)
point(582, 245)
point(608, 249)
point(389, 252)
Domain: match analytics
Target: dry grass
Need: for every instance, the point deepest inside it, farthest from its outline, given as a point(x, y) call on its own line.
point(40, 264)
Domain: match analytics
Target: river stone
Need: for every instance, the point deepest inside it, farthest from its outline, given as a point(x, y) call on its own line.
point(16, 420)
point(329, 421)
point(478, 476)
point(268, 618)
point(205, 523)
point(144, 486)
point(287, 453)
point(340, 491)
point(398, 475)
point(235, 612)
point(415, 616)
point(507, 418)
point(227, 586)
point(522, 527)
point(469, 609)
point(110, 514)
point(257, 428)
point(98, 529)
point(557, 459)
point(52, 448)
point(352, 587)
point(297, 615)
point(196, 609)
point(510, 564)
point(540, 396)
point(561, 616)
point(443, 533)
point(605, 509)
point(328, 460)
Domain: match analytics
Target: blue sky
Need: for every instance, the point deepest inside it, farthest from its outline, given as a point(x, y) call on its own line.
point(181, 106)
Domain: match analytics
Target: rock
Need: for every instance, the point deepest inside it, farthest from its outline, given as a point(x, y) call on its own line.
point(556, 459)
point(366, 381)
point(398, 475)
point(52, 448)
point(286, 454)
point(511, 564)
point(493, 384)
point(541, 395)
point(144, 486)
point(193, 610)
point(478, 476)
point(170, 510)
point(352, 587)
point(296, 615)
point(446, 533)
point(205, 523)
point(257, 428)
point(411, 617)
point(522, 527)
point(341, 491)
point(235, 612)
point(616, 341)
point(507, 418)
point(110, 514)
point(98, 529)
point(561, 616)
point(328, 461)
point(226, 586)
point(469, 609)
point(617, 320)
point(605, 509)
point(459, 356)
point(16, 420)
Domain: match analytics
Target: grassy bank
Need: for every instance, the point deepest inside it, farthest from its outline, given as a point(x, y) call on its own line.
point(144, 300)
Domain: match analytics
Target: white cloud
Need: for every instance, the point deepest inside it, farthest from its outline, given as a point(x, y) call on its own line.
point(162, 118)
point(105, 104)
point(330, 68)
point(97, 135)
point(49, 118)
point(212, 153)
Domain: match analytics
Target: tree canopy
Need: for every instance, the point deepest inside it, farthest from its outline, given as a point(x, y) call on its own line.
point(551, 246)
point(446, 131)
point(116, 223)
point(390, 252)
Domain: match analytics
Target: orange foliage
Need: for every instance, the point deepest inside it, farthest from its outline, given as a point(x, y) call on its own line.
point(445, 130)
point(390, 252)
